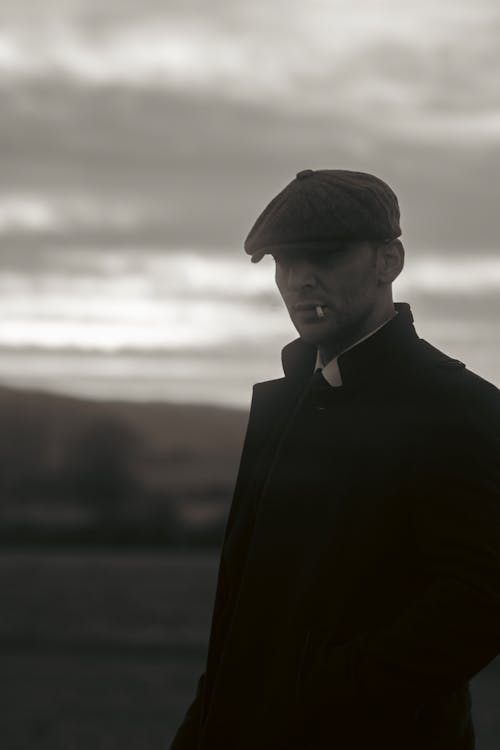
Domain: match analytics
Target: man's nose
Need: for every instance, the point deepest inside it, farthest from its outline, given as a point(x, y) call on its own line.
point(300, 274)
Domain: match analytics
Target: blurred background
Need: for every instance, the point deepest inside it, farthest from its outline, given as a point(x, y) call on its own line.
point(139, 143)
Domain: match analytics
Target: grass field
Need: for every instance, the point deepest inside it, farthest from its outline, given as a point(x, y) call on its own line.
point(101, 650)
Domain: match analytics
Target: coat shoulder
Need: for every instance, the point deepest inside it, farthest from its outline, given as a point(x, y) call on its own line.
point(454, 394)
point(453, 376)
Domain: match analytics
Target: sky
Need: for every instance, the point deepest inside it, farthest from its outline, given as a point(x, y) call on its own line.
point(140, 141)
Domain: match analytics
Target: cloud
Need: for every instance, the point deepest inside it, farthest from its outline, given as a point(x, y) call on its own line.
point(45, 213)
point(164, 302)
point(161, 169)
point(174, 123)
point(421, 65)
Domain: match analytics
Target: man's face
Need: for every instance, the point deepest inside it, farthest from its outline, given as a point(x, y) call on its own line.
point(341, 282)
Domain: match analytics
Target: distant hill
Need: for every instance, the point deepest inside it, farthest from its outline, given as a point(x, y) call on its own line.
point(75, 466)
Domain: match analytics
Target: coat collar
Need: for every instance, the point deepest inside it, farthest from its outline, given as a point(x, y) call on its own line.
point(370, 359)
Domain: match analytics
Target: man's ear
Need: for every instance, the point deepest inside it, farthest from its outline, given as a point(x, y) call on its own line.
point(391, 259)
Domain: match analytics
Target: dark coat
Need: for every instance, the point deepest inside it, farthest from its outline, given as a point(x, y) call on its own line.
point(359, 584)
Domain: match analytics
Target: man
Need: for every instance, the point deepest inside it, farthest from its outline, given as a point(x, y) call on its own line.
point(359, 584)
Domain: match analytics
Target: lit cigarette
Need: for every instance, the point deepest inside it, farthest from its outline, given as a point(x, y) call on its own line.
point(319, 311)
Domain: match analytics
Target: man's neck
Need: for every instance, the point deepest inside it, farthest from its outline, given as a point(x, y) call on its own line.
point(328, 353)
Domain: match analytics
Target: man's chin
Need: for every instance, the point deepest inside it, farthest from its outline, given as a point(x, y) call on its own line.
point(314, 335)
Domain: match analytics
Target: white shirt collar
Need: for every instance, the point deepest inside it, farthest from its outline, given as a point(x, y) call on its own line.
point(331, 371)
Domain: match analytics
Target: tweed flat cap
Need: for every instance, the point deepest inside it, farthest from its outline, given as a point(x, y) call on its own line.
point(321, 207)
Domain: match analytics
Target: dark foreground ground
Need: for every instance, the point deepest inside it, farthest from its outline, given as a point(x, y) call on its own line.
point(101, 650)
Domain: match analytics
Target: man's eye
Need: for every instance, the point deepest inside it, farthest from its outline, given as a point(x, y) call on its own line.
point(321, 259)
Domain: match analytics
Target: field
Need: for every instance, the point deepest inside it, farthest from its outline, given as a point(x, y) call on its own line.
point(101, 650)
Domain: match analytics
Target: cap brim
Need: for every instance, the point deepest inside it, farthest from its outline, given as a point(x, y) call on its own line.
point(332, 245)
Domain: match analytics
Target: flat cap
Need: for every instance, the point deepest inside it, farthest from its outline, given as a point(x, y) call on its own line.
point(323, 206)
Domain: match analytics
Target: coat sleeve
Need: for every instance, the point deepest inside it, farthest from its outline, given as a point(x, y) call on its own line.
point(188, 734)
point(451, 629)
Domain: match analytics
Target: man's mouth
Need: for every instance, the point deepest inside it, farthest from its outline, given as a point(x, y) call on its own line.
point(313, 309)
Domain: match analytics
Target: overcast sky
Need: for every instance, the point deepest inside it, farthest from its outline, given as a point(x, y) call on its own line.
point(140, 141)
